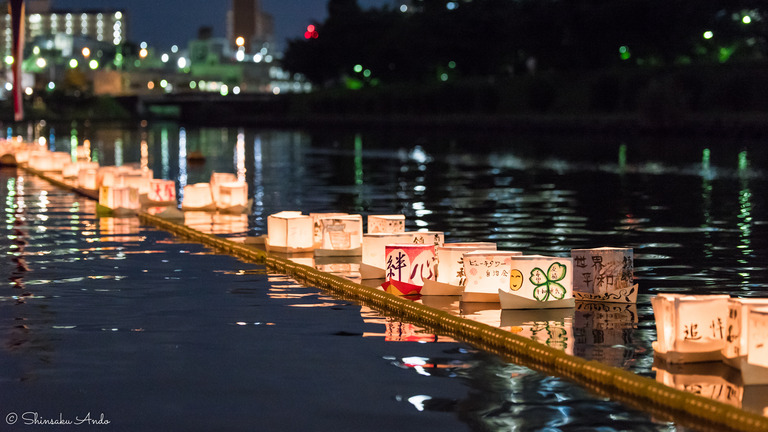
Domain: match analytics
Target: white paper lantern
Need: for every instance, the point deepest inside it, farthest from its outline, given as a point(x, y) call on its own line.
point(289, 231)
point(735, 352)
point(120, 199)
point(604, 274)
point(341, 236)
point(218, 179)
point(231, 196)
point(198, 197)
point(374, 258)
point(408, 266)
point(87, 178)
point(161, 191)
point(317, 226)
point(450, 268)
point(538, 282)
point(486, 273)
point(758, 337)
point(690, 328)
point(386, 224)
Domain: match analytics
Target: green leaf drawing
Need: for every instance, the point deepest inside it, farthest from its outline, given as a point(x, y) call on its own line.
point(547, 284)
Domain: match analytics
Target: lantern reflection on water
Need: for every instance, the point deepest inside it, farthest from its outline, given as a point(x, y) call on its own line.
point(690, 328)
point(289, 231)
point(408, 266)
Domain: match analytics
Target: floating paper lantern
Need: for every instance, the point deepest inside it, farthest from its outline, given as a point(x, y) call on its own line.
point(198, 197)
point(758, 337)
point(486, 273)
point(120, 199)
point(47, 161)
point(538, 282)
point(231, 196)
point(341, 235)
point(218, 179)
point(736, 349)
point(408, 266)
point(317, 226)
point(374, 258)
point(386, 224)
point(87, 178)
point(161, 191)
point(690, 328)
point(134, 179)
point(450, 268)
point(289, 231)
point(604, 274)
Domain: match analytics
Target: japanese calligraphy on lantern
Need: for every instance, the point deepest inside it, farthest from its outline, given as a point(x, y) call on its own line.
point(486, 272)
point(537, 281)
point(690, 328)
point(161, 190)
point(602, 270)
point(409, 265)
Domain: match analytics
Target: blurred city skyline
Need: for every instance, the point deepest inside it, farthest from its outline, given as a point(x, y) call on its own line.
point(170, 22)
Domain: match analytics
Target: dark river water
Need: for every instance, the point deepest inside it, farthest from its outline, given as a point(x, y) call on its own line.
point(109, 317)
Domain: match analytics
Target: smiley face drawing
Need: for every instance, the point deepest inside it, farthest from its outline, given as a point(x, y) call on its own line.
point(515, 280)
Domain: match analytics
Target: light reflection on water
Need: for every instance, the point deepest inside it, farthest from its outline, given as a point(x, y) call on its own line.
point(688, 211)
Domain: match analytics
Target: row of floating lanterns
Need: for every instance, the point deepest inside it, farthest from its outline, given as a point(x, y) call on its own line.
point(690, 328)
point(127, 189)
point(421, 262)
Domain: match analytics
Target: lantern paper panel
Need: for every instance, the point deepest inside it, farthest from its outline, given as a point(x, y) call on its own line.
point(758, 337)
point(604, 274)
point(218, 179)
point(450, 260)
point(162, 190)
point(373, 258)
point(231, 195)
point(290, 230)
point(197, 196)
point(342, 233)
point(317, 227)
point(690, 328)
point(736, 344)
point(119, 198)
point(386, 224)
point(87, 178)
point(486, 272)
point(407, 266)
point(538, 282)
point(133, 179)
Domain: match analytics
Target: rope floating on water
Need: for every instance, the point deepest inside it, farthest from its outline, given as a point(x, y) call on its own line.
point(641, 392)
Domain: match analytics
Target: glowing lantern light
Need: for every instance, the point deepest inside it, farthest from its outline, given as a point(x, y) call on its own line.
point(386, 224)
point(758, 335)
point(198, 197)
point(341, 236)
point(317, 226)
point(486, 272)
point(690, 328)
point(87, 178)
point(450, 268)
point(119, 199)
point(374, 246)
point(737, 343)
point(604, 274)
point(161, 191)
point(538, 282)
point(289, 231)
point(408, 266)
point(232, 196)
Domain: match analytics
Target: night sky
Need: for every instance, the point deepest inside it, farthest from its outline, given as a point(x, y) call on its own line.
point(162, 23)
